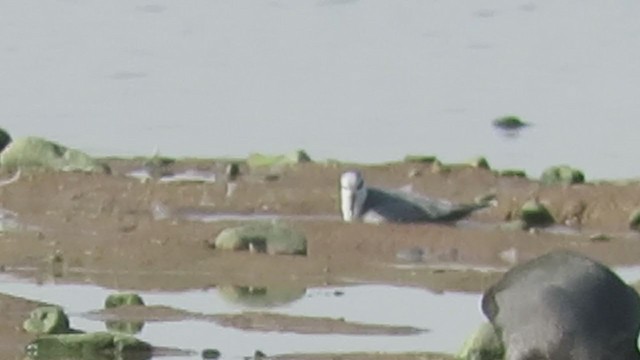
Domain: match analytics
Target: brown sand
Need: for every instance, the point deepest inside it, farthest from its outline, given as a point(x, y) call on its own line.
point(100, 228)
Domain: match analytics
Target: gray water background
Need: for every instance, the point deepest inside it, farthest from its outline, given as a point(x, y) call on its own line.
point(365, 81)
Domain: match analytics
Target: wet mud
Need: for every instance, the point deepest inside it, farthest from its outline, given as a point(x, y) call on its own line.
point(105, 230)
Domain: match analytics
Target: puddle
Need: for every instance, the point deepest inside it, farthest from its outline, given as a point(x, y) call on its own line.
point(161, 211)
point(185, 176)
point(449, 317)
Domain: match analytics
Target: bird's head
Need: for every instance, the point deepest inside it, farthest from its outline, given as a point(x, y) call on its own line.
point(352, 195)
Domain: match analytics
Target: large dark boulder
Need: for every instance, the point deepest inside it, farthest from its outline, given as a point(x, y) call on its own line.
point(566, 306)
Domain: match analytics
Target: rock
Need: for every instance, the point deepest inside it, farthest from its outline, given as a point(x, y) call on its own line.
point(634, 220)
point(562, 174)
point(47, 320)
point(5, 139)
point(437, 167)
point(483, 344)
point(600, 237)
point(232, 171)
point(512, 173)
point(509, 122)
point(296, 157)
point(479, 162)
point(563, 305)
point(210, 354)
point(428, 159)
point(34, 152)
point(535, 214)
point(100, 345)
point(274, 238)
point(263, 297)
point(120, 299)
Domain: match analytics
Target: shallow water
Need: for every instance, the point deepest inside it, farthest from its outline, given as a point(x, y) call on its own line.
point(449, 316)
point(355, 80)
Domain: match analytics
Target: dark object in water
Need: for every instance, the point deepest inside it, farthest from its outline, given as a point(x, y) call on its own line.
point(509, 123)
point(563, 305)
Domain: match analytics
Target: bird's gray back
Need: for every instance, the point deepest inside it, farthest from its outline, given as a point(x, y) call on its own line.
point(392, 207)
point(404, 206)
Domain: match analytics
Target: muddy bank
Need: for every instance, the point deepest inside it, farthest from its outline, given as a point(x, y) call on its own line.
point(102, 229)
point(13, 311)
point(254, 321)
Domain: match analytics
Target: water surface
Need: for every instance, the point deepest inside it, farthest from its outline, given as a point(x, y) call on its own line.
point(356, 80)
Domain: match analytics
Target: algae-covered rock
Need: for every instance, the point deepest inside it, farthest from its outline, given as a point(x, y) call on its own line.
point(634, 220)
point(295, 157)
point(562, 174)
point(34, 152)
point(210, 354)
point(120, 299)
point(47, 320)
point(100, 345)
point(483, 344)
point(479, 162)
point(265, 297)
point(5, 139)
point(420, 159)
point(125, 327)
point(273, 238)
point(513, 173)
point(509, 122)
point(535, 214)
point(437, 167)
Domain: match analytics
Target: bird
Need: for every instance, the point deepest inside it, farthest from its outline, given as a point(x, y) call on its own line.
point(373, 205)
point(564, 305)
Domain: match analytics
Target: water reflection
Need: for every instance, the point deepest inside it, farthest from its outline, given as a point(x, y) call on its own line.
point(125, 327)
point(450, 316)
point(260, 297)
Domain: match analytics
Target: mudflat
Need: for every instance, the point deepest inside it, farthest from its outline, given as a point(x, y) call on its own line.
point(121, 231)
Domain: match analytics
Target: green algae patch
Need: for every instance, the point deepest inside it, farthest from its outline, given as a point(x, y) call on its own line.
point(292, 158)
point(562, 174)
point(99, 345)
point(509, 122)
point(125, 327)
point(47, 320)
point(420, 159)
point(479, 162)
point(483, 344)
point(35, 152)
point(535, 214)
point(512, 173)
point(273, 238)
point(120, 299)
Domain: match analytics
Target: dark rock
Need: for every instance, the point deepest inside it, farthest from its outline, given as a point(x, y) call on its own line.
point(509, 123)
point(563, 305)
